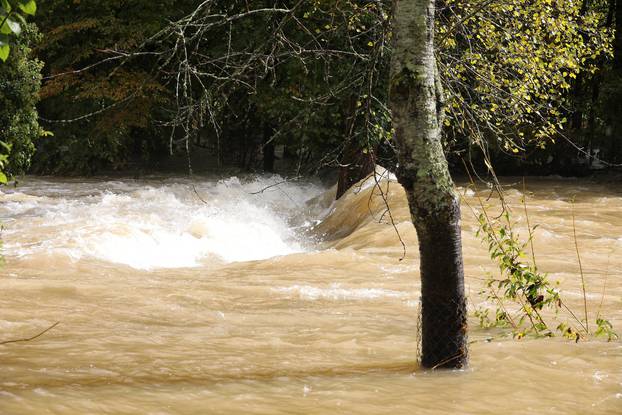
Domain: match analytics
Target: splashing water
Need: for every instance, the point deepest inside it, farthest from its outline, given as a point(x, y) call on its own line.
point(151, 224)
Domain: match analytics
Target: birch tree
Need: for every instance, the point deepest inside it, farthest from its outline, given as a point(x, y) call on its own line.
point(416, 101)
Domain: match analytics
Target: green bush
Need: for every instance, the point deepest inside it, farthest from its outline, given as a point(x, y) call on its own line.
point(20, 79)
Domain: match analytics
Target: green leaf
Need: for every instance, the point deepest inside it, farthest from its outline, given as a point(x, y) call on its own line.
point(6, 6)
point(3, 178)
point(4, 51)
point(15, 26)
point(10, 26)
point(28, 7)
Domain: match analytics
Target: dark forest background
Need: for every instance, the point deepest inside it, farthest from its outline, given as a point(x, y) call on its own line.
point(94, 86)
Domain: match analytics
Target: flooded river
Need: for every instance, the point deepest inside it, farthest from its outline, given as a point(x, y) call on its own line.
point(252, 296)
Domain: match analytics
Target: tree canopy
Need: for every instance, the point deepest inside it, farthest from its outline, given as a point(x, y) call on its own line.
point(130, 83)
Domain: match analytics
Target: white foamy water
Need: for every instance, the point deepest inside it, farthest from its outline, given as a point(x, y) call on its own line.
point(151, 223)
point(336, 292)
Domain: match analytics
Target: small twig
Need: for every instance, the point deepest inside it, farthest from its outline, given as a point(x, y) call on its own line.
point(573, 315)
point(386, 204)
point(444, 362)
point(198, 195)
point(93, 113)
point(602, 296)
point(529, 229)
point(576, 246)
point(274, 184)
point(33, 337)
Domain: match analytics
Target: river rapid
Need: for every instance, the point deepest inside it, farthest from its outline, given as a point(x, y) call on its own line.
point(250, 295)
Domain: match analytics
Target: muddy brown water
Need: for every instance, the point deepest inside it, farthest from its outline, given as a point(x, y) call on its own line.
point(206, 296)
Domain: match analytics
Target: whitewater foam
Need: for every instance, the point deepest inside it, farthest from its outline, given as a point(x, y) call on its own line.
point(336, 292)
point(150, 224)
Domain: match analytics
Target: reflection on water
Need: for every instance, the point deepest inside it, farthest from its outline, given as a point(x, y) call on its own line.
point(211, 296)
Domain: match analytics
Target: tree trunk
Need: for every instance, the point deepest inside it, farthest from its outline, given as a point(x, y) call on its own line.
point(356, 165)
point(416, 102)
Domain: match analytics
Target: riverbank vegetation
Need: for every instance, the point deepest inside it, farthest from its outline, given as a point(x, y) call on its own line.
point(532, 86)
point(524, 299)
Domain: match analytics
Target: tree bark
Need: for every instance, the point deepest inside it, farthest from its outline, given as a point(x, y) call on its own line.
point(356, 165)
point(416, 101)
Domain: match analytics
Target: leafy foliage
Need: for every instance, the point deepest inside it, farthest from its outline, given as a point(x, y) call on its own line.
point(605, 329)
point(510, 67)
point(20, 78)
point(12, 18)
point(19, 82)
point(521, 293)
point(312, 78)
point(306, 71)
point(519, 282)
point(123, 103)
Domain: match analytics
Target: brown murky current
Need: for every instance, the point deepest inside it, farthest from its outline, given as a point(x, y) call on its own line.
point(206, 296)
